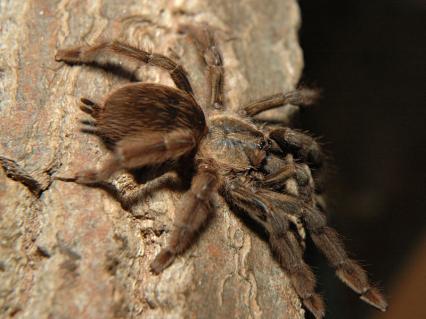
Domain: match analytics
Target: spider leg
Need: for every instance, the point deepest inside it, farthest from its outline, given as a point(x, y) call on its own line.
point(273, 211)
point(105, 54)
point(205, 42)
point(290, 256)
point(280, 176)
point(287, 170)
point(301, 96)
point(352, 274)
point(303, 146)
point(139, 151)
point(194, 209)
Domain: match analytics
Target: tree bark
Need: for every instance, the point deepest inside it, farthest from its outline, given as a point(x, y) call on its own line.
point(69, 251)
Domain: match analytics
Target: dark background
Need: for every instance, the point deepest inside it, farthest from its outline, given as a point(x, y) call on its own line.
point(369, 59)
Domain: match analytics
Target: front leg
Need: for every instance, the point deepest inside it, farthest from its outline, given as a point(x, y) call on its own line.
point(193, 211)
point(284, 173)
point(302, 97)
point(303, 146)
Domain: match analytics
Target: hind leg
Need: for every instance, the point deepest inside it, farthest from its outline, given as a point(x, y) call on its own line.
point(140, 151)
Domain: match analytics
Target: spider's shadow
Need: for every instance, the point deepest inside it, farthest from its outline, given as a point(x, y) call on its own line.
point(152, 179)
point(255, 227)
point(118, 70)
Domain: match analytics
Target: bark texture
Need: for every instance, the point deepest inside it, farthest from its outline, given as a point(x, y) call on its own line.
point(69, 251)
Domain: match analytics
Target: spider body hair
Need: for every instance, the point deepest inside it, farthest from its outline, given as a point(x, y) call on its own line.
point(271, 173)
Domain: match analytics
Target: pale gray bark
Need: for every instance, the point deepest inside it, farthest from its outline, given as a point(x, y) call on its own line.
point(69, 251)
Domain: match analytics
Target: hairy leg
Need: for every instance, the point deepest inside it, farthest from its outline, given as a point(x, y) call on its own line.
point(105, 54)
point(352, 274)
point(205, 42)
point(281, 170)
point(139, 151)
point(304, 148)
point(193, 211)
point(290, 256)
point(302, 97)
point(274, 211)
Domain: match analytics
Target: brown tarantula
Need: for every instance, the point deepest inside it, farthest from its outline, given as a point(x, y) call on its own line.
point(271, 173)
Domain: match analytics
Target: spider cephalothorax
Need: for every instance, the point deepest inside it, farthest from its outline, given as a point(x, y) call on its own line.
point(270, 172)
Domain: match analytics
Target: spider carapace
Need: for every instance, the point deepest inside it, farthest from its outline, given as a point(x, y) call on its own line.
point(271, 173)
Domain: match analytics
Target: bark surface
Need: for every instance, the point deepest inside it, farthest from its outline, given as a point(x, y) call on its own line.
point(69, 251)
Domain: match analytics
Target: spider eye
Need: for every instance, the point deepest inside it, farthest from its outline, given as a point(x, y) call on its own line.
point(263, 144)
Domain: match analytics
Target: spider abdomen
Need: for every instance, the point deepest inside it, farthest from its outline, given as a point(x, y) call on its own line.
point(140, 108)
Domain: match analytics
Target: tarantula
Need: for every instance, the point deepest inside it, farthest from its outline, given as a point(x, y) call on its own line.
point(270, 173)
